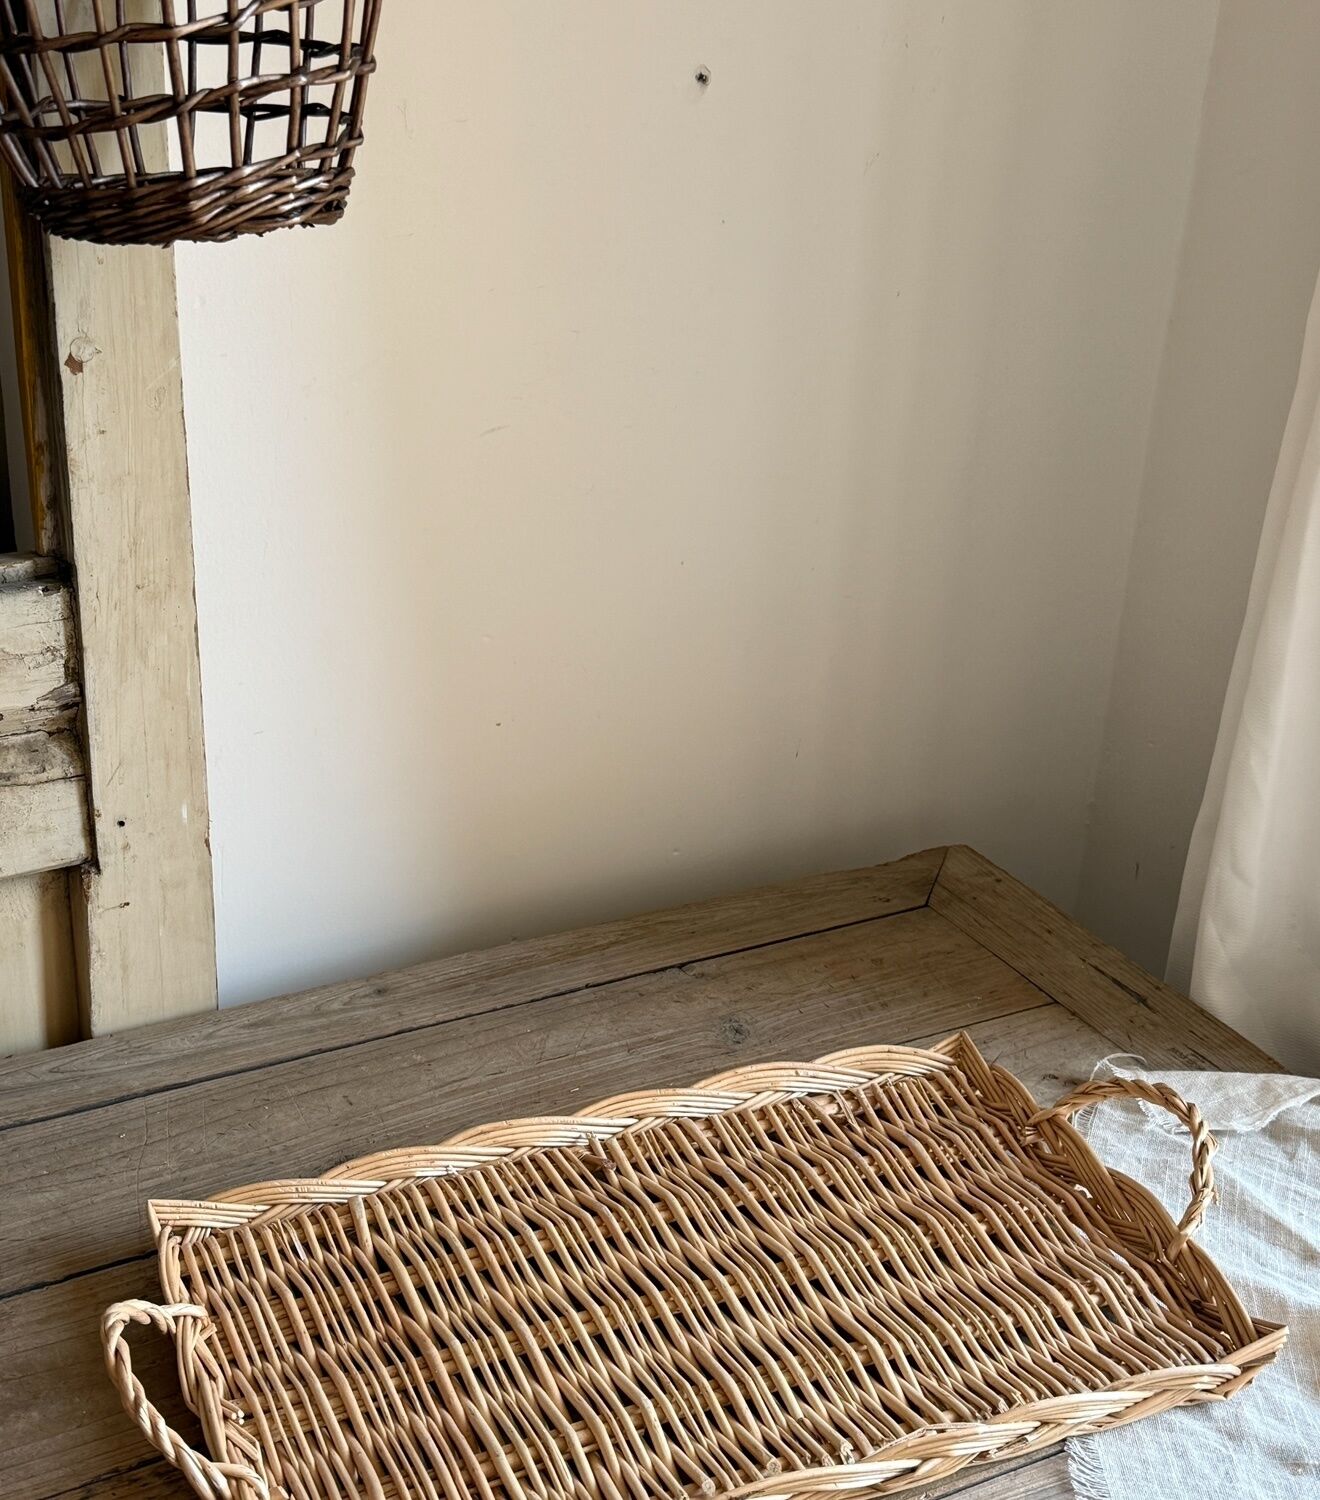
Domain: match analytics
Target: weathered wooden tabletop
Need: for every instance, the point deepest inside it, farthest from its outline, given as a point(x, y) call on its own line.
point(905, 952)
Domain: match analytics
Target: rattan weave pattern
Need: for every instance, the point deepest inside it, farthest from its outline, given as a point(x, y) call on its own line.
point(862, 1273)
point(150, 121)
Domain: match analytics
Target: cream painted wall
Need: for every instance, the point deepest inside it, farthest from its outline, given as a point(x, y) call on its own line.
point(1247, 272)
point(649, 490)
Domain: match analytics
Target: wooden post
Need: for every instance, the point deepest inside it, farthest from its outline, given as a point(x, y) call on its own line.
point(43, 800)
point(143, 915)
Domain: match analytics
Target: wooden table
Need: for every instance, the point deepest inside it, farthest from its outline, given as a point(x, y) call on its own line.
point(904, 952)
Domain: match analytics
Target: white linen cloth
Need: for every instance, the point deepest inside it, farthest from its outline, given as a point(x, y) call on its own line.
point(1264, 1234)
point(1246, 942)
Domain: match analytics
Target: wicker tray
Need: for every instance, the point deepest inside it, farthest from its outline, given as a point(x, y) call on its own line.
point(861, 1273)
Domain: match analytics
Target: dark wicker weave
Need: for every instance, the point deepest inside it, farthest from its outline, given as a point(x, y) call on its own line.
point(149, 121)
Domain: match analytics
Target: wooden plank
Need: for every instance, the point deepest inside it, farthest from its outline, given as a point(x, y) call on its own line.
point(1048, 1048)
point(57, 1406)
point(61, 1425)
point(43, 803)
point(146, 927)
point(1137, 1012)
point(38, 651)
point(38, 988)
point(153, 1479)
point(23, 567)
point(83, 1179)
point(1042, 1476)
point(339, 1015)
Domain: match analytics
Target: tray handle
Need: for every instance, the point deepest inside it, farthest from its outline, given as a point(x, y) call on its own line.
point(1204, 1145)
point(214, 1480)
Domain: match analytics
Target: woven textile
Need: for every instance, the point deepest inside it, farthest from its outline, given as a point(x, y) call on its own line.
point(842, 1284)
point(1265, 1233)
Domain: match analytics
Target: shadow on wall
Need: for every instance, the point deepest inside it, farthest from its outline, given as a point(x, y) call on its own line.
point(654, 488)
point(1247, 273)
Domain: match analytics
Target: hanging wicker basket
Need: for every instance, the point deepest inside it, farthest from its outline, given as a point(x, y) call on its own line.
point(150, 121)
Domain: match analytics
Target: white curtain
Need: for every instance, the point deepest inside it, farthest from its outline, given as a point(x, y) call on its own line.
point(1247, 938)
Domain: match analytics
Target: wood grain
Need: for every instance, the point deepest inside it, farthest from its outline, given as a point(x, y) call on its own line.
point(44, 823)
point(145, 924)
point(61, 1425)
point(38, 651)
point(38, 987)
point(53, 1385)
point(152, 1479)
point(1136, 1011)
point(1041, 1477)
point(22, 567)
point(84, 1179)
point(39, 1004)
point(339, 1015)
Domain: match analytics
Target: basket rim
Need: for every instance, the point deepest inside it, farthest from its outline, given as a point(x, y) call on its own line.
point(747, 1087)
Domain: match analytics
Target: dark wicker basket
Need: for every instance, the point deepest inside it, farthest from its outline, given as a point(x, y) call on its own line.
point(150, 121)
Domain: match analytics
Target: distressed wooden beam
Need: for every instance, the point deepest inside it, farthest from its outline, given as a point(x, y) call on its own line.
point(1139, 1013)
point(43, 803)
point(38, 651)
point(143, 912)
point(39, 1002)
point(101, 399)
point(21, 567)
point(43, 786)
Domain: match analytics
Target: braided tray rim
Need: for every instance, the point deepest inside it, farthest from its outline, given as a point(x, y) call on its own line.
point(923, 1456)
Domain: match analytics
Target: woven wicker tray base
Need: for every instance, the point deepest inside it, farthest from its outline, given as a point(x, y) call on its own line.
point(862, 1273)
